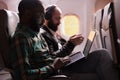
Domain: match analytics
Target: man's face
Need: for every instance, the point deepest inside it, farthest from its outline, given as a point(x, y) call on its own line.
point(55, 20)
point(37, 18)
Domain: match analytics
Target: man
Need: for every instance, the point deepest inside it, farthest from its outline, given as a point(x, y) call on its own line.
point(98, 62)
point(30, 57)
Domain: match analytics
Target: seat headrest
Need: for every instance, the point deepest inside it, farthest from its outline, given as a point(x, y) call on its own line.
point(98, 19)
point(13, 20)
point(106, 17)
point(8, 23)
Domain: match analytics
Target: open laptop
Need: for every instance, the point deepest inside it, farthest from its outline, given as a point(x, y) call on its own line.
point(79, 55)
point(89, 43)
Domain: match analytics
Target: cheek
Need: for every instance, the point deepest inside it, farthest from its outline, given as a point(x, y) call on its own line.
point(56, 22)
point(40, 19)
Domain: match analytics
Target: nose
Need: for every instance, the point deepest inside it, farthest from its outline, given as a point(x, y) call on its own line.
point(59, 22)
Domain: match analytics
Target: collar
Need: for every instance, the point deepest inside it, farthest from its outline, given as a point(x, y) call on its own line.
point(53, 32)
point(27, 29)
point(46, 28)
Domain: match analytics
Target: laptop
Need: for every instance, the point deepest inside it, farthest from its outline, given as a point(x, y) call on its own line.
point(89, 43)
point(79, 55)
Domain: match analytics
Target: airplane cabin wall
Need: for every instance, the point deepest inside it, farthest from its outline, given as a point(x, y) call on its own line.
point(101, 3)
point(90, 19)
point(74, 7)
point(12, 5)
point(3, 5)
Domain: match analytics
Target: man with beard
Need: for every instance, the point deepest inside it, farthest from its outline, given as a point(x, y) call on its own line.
point(30, 57)
point(98, 62)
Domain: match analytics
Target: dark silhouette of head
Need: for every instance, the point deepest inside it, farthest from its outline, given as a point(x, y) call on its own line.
point(31, 13)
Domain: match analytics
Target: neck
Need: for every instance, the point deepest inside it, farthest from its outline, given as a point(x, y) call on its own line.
point(29, 25)
point(46, 23)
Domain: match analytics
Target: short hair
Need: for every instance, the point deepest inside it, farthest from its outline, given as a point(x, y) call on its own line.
point(49, 12)
point(29, 5)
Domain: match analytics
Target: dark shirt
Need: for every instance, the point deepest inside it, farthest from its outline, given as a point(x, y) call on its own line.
point(66, 49)
point(30, 56)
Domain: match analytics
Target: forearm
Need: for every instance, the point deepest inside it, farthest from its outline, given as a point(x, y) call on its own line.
point(65, 50)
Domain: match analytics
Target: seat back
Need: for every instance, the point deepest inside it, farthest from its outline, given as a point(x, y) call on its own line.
point(97, 26)
point(109, 32)
point(116, 28)
point(106, 28)
point(8, 23)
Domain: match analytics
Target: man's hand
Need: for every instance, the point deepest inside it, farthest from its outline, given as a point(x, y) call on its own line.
point(60, 62)
point(76, 39)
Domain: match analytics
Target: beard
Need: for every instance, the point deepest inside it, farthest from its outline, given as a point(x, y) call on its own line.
point(52, 26)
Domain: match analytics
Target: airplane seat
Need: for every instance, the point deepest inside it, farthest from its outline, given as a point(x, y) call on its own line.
point(106, 29)
point(115, 27)
point(110, 27)
point(13, 20)
point(103, 39)
point(110, 36)
point(8, 22)
point(97, 19)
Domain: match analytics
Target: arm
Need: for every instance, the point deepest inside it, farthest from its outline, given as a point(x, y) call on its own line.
point(72, 42)
point(66, 49)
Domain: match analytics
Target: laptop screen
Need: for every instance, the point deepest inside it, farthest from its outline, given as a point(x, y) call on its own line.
point(89, 42)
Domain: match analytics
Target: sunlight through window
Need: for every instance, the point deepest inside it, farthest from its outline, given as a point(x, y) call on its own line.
point(70, 25)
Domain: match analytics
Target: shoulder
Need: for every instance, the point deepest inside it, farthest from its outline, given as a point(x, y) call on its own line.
point(42, 31)
point(45, 30)
point(19, 36)
point(45, 33)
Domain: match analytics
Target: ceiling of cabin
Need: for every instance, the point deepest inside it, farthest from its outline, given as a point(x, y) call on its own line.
point(97, 3)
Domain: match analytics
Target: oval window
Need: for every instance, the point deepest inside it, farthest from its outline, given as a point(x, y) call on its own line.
point(70, 25)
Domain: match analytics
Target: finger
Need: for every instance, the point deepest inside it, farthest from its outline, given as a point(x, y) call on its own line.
point(66, 60)
point(79, 35)
point(72, 36)
point(81, 38)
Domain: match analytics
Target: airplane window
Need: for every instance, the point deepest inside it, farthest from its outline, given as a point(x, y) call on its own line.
point(70, 25)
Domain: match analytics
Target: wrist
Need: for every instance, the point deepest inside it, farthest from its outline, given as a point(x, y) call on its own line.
point(71, 43)
point(52, 67)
